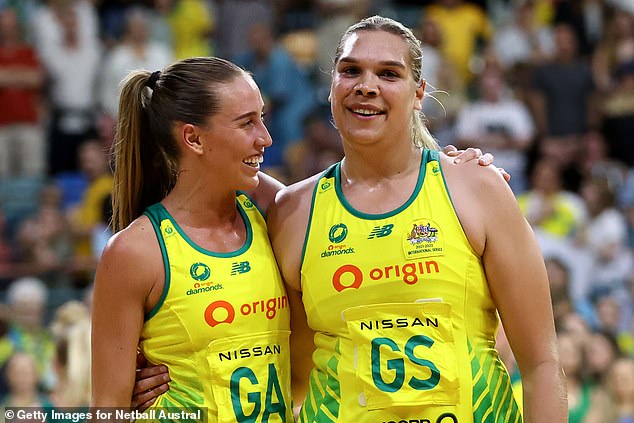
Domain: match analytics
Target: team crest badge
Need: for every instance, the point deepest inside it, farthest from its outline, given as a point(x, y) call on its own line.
point(424, 239)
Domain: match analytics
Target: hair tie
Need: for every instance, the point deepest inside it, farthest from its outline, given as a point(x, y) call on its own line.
point(151, 81)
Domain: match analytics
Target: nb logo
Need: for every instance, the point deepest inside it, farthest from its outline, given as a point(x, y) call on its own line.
point(240, 267)
point(381, 231)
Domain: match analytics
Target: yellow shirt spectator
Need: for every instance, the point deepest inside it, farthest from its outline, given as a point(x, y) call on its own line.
point(461, 27)
point(191, 23)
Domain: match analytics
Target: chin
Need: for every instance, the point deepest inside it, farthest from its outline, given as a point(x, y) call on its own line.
point(249, 184)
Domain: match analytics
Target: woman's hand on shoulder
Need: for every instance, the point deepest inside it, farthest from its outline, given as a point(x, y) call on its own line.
point(473, 153)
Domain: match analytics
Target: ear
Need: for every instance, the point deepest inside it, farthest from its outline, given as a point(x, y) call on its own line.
point(190, 135)
point(420, 94)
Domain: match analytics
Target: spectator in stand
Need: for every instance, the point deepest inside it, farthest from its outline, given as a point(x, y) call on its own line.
point(547, 206)
point(320, 147)
point(597, 162)
point(600, 349)
point(44, 241)
point(287, 90)
point(620, 387)
point(111, 15)
point(626, 203)
point(234, 17)
point(23, 381)
point(604, 235)
point(27, 300)
point(135, 51)
point(563, 88)
point(559, 282)
point(618, 115)
point(160, 30)
point(615, 49)
point(586, 18)
point(71, 53)
point(83, 218)
point(7, 255)
point(47, 29)
point(573, 364)
point(192, 24)
point(465, 30)
point(610, 319)
point(22, 147)
point(71, 331)
point(444, 86)
point(499, 124)
point(523, 40)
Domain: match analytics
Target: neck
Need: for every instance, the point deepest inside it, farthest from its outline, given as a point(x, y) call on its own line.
point(364, 164)
point(194, 204)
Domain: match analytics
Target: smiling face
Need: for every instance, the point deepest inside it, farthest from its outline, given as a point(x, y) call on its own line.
point(235, 138)
point(373, 94)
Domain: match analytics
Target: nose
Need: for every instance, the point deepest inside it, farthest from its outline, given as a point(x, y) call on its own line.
point(366, 86)
point(264, 138)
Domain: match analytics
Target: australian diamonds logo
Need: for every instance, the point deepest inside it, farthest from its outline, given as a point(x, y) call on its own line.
point(200, 271)
point(336, 236)
point(423, 240)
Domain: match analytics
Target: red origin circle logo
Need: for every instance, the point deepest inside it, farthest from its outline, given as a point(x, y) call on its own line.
point(211, 308)
point(348, 268)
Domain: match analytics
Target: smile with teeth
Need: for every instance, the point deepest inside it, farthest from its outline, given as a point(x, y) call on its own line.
point(253, 161)
point(367, 112)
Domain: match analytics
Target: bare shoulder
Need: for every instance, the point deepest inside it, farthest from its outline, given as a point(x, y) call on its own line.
point(288, 223)
point(478, 193)
point(132, 258)
point(133, 240)
point(293, 202)
point(264, 194)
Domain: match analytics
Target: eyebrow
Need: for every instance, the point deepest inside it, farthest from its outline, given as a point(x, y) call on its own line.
point(390, 63)
point(245, 115)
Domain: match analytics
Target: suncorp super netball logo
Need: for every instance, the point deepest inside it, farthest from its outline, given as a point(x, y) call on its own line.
point(221, 311)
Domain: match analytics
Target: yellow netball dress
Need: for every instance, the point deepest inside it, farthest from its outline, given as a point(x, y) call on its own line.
point(404, 318)
point(221, 326)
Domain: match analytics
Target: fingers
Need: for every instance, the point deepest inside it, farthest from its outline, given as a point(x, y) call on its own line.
point(505, 174)
point(451, 150)
point(145, 399)
point(150, 377)
point(468, 154)
point(485, 159)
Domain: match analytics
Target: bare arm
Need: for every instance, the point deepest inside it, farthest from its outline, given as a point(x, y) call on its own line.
point(288, 221)
point(129, 268)
point(517, 278)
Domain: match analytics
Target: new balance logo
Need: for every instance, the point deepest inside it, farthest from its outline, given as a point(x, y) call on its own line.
point(381, 231)
point(240, 267)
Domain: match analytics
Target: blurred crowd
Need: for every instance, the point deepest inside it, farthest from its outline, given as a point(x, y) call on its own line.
point(547, 86)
